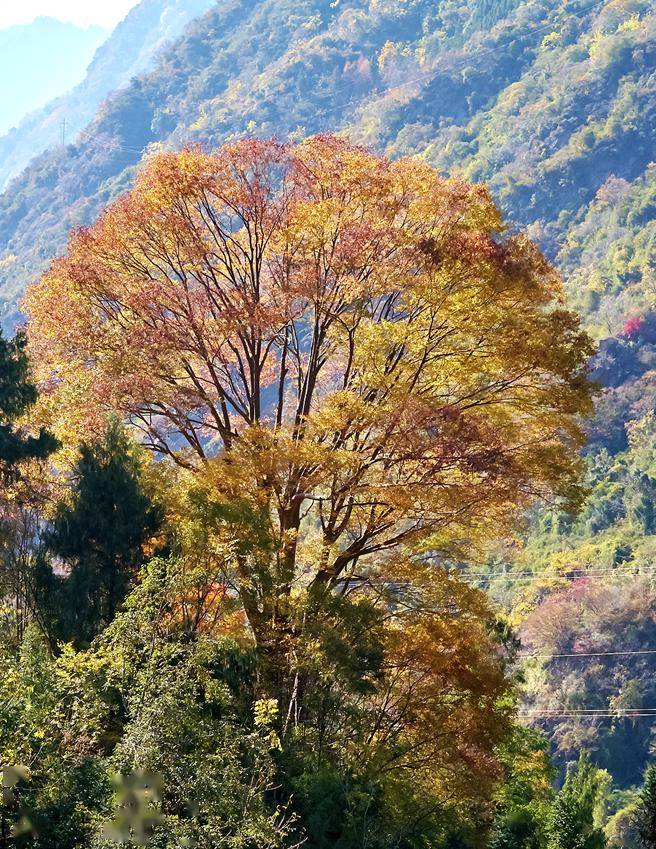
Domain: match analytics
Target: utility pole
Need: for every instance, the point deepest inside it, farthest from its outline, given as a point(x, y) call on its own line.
point(64, 132)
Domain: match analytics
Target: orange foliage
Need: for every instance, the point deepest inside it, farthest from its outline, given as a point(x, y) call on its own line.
point(348, 347)
point(447, 704)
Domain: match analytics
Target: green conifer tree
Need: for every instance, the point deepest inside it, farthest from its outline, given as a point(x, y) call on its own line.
point(99, 537)
point(571, 823)
point(645, 816)
point(17, 396)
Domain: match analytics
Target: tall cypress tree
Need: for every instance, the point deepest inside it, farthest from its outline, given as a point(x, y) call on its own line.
point(645, 817)
point(18, 443)
point(99, 538)
point(571, 824)
point(17, 396)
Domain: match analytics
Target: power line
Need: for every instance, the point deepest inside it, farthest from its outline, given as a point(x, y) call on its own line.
point(628, 652)
point(91, 137)
point(531, 574)
point(606, 715)
point(571, 575)
point(585, 711)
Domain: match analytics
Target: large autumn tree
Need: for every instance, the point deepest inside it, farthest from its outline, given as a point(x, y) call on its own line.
point(348, 354)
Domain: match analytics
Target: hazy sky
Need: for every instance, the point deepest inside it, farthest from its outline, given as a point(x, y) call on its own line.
point(83, 12)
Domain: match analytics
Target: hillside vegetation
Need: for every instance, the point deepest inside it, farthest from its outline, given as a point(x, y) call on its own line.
point(220, 81)
point(551, 103)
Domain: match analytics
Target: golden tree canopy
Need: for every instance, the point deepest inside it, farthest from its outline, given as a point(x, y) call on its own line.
point(349, 347)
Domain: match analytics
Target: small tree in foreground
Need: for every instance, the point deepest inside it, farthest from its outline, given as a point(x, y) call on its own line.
point(18, 395)
point(645, 815)
point(99, 537)
point(24, 449)
point(571, 824)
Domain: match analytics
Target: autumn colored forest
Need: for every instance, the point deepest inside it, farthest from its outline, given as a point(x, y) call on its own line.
point(328, 431)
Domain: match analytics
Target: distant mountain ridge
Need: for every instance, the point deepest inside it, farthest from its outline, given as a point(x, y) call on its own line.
point(39, 61)
point(129, 50)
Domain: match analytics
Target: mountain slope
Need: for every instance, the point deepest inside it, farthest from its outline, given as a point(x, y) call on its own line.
point(42, 60)
point(545, 100)
point(218, 81)
point(129, 50)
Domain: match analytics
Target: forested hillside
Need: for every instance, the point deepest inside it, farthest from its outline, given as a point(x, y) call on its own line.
point(547, 101)
point(318, 68)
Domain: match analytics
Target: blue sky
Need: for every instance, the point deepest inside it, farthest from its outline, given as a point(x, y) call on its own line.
point(107, 13)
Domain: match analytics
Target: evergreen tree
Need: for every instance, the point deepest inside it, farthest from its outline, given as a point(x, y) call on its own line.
point(17, 396)
point(645, 817)
point(99, 537)
point(571, 824)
